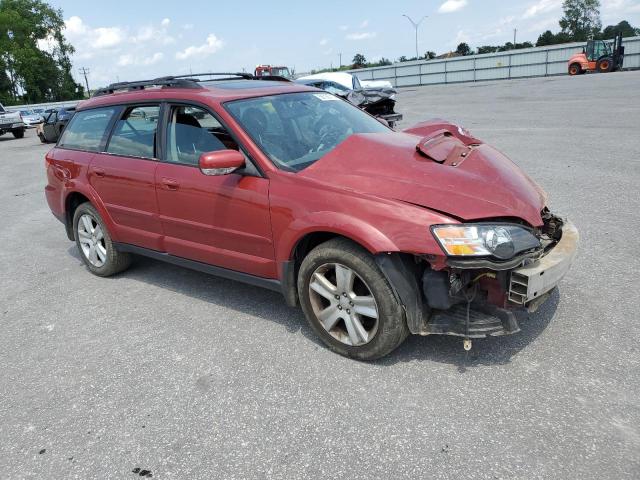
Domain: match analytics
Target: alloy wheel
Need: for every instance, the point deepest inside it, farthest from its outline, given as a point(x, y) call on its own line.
point(92, 242)
point(343, 304)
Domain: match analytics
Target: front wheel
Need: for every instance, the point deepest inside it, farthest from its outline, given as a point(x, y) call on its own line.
point(18, 133)
point(348, 301)
point(575, 69)
point(95, 245)
point(604, 65)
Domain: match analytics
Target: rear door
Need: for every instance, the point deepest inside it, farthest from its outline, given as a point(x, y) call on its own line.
point(124, 176)
point(220, 220)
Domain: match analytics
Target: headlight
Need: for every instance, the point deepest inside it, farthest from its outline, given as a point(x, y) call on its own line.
point(483, 240)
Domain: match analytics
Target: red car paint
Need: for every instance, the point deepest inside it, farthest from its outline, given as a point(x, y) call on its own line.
point(375, 189)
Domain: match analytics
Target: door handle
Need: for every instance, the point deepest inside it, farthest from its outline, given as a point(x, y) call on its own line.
point(99, 172)
point(170, 184)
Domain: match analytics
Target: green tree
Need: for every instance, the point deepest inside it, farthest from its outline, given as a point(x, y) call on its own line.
point(429, 55)
point(34, 74)
point(463, 49)
point(546, 38)
point(359, 60)
point(624, 27)
point(581, 19)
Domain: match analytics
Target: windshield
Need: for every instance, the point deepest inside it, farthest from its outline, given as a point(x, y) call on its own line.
point(26, 112)
point(281, 72)
point(2, 110)
point(296, 129)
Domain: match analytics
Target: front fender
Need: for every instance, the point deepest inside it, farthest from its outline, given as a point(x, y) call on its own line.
point(332, 222)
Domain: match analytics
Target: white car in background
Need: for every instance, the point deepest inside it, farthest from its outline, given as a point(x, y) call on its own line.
point(348, 80)
point(376, 97)
point(30, 118)
point(11, 122)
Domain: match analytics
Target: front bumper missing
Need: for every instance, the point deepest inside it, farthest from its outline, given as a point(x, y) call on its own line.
point(528, 284)
point(528, 287)
point(484, 321)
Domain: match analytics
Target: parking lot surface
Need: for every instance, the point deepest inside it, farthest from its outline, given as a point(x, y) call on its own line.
point(184, 375)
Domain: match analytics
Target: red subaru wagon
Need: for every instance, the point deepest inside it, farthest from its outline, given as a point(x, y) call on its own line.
point(375, 233)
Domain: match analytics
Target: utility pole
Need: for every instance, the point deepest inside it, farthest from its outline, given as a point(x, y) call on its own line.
point(340, 55)
point(85, 71)
point(515, 31)
point(415, 26)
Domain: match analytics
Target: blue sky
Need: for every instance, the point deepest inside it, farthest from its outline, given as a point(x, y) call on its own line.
point(129, 40)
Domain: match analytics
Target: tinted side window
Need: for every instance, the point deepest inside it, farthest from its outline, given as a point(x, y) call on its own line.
point(87, 129)
point(135, 133)
point(193, 131)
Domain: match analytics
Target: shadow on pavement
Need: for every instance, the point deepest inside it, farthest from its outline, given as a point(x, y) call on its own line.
point(270, 306)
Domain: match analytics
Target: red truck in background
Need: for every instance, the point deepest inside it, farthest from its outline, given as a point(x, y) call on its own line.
point(271, 70)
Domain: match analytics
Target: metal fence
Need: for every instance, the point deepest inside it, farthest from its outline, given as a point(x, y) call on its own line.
point(528, 62)
point(45, 106)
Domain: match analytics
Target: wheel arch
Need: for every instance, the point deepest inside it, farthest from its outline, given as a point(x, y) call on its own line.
point(75, 198)
point(303, 235)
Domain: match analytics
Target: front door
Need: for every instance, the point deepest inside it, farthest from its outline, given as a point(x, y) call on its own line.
point(49, 127)
point(124, 177)
point(220, 220)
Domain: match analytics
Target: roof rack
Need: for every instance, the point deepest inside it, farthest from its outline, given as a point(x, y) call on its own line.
point(183, 81)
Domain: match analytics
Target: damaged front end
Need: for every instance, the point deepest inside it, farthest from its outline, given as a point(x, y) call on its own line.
point(476, 295)
point(379, 102)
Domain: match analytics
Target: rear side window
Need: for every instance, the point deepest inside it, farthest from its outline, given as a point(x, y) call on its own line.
point(135, 133)
point(87, 129)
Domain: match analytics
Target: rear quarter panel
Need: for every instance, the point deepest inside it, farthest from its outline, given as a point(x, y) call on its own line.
point(67, 174)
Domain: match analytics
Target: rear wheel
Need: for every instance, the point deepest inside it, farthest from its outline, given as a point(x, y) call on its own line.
point(95, 245)
point(348, 301)
point(604, 65)
point(18, 133)
point(575, 69)
point(41, 137)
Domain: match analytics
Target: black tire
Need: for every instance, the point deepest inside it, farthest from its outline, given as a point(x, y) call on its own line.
point(41, 137)
point(604, 65)
point(115, 261)
point(575, 69)
point(18, 133)
point(392, 327)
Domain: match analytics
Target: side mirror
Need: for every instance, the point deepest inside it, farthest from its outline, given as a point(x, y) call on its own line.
point(221, 162)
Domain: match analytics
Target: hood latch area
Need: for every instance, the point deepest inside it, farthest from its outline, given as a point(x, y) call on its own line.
point(443, 147)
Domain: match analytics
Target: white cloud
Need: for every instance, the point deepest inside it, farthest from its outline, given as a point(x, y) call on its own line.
point(211, 46)
point(165, 22)
point(452, 6)
point(461, 37)
point(542, 6)
point(361, 36)
point(323, 42)
point(83, 36)
point(344, 28)
point(364, 24)
point(624, 7)
point(188, 26)
point(128, 59)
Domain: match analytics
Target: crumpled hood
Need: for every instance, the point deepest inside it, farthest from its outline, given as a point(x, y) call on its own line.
point(484, 184)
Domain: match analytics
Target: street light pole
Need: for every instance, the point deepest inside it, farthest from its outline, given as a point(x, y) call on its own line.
point(415, 26)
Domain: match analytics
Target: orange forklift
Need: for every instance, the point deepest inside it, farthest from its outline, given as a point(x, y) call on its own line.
point(598, 56)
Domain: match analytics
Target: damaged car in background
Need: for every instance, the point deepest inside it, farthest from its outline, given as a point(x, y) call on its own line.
point(376, 97)
point(375, 233)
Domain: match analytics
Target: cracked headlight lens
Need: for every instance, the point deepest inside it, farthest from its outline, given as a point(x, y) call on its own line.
point(484, 240)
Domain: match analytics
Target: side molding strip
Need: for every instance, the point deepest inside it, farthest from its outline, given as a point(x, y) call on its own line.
point(268, 283)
